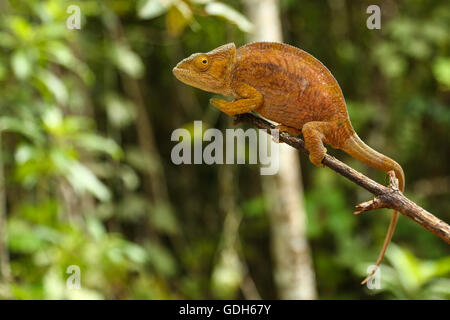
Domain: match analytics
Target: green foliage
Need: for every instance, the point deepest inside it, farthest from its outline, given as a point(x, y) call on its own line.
point(180, 13)
point(85, 122)
point(411, 278)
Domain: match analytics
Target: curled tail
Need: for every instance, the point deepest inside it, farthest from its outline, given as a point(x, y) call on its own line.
point(355, 147)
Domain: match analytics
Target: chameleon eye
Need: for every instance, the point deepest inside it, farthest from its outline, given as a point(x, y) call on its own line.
point(202, 63)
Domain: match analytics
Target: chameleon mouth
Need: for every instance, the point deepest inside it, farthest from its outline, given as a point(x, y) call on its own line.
point(185, 75)
point(180, 73)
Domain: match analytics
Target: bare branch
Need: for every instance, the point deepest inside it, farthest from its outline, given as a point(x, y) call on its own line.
point(386, 197)
point(379, 202)
point(376, 203)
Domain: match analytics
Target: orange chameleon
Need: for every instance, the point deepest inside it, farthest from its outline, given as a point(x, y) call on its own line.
point(291, 87)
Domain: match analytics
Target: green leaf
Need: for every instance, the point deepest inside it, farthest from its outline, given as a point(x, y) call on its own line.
point(82, 179)
point(94, 142)
point(24, 127)
point(407, 266)
point(434, 269)
point(54, 85)
point(150, 9)
point(141, 160)
point(441, 70)
point(132, 207)
point(21, 64)
point(227, 274)
point(95, 228)
point(7, 40)
point(42, 213)
point(52, 119)
point(20, 27)
point(24, 152)
point(27, 238)
point(163, 218)
point(418, 49)
point(222, 10)
point(136, 253)
point(61, 54)
point(254, 207)
point(178, 17)
point(128, 61)
point(391, 63)
point(161, 259)
point(21, 239)
point(121, 112)
point(129, 177)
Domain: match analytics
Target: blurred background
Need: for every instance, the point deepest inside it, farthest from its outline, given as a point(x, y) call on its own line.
point(86, 177)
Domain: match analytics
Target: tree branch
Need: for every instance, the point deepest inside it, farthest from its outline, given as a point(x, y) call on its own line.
point(386, 197)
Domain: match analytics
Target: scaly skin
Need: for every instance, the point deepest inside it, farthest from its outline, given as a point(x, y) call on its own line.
point(289, 86)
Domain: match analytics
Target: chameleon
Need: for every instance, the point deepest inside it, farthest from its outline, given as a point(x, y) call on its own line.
point(292, 88)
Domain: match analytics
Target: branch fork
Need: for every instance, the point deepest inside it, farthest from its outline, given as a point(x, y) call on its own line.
point(380, 201)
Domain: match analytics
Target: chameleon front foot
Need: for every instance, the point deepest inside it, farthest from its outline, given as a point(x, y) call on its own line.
point(223, 106)
point(238, 106)
point(249, 99)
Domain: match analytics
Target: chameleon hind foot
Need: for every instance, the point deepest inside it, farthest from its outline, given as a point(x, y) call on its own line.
point(314, 134)
point(316, 156)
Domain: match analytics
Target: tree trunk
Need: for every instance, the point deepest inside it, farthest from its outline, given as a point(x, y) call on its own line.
point(294, 274)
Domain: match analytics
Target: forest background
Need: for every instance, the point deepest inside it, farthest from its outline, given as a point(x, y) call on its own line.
point(86, 177)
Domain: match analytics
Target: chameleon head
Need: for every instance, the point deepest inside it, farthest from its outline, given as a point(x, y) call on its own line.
point(208, 71)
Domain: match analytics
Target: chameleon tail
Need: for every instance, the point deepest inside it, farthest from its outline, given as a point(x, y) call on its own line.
point(355, 147)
